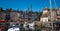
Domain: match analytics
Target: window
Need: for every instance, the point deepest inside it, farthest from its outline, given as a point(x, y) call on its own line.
point(7, 16)
point(28, 18)
point(35, 19)
point(0, 12)
point(50, 24)
point(58, 14)
point(0, 24)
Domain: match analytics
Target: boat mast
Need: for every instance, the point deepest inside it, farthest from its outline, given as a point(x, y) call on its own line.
point(51, 14)
point(55, 4)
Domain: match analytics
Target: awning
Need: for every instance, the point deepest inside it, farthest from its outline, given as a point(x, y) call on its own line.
point(2, 21)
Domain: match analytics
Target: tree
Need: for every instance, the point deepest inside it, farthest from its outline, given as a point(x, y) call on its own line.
point(40, 14)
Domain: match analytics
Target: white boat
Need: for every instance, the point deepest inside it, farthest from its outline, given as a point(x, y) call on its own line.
point(14, 29)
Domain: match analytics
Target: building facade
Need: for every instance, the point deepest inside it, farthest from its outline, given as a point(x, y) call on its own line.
point(46, 16)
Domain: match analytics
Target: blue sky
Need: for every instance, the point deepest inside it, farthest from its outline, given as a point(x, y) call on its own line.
point(37, 5)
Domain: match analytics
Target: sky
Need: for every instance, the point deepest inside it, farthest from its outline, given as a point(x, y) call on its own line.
point(37, 5)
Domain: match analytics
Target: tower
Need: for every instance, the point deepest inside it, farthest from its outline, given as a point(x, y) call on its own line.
point(30, 8)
